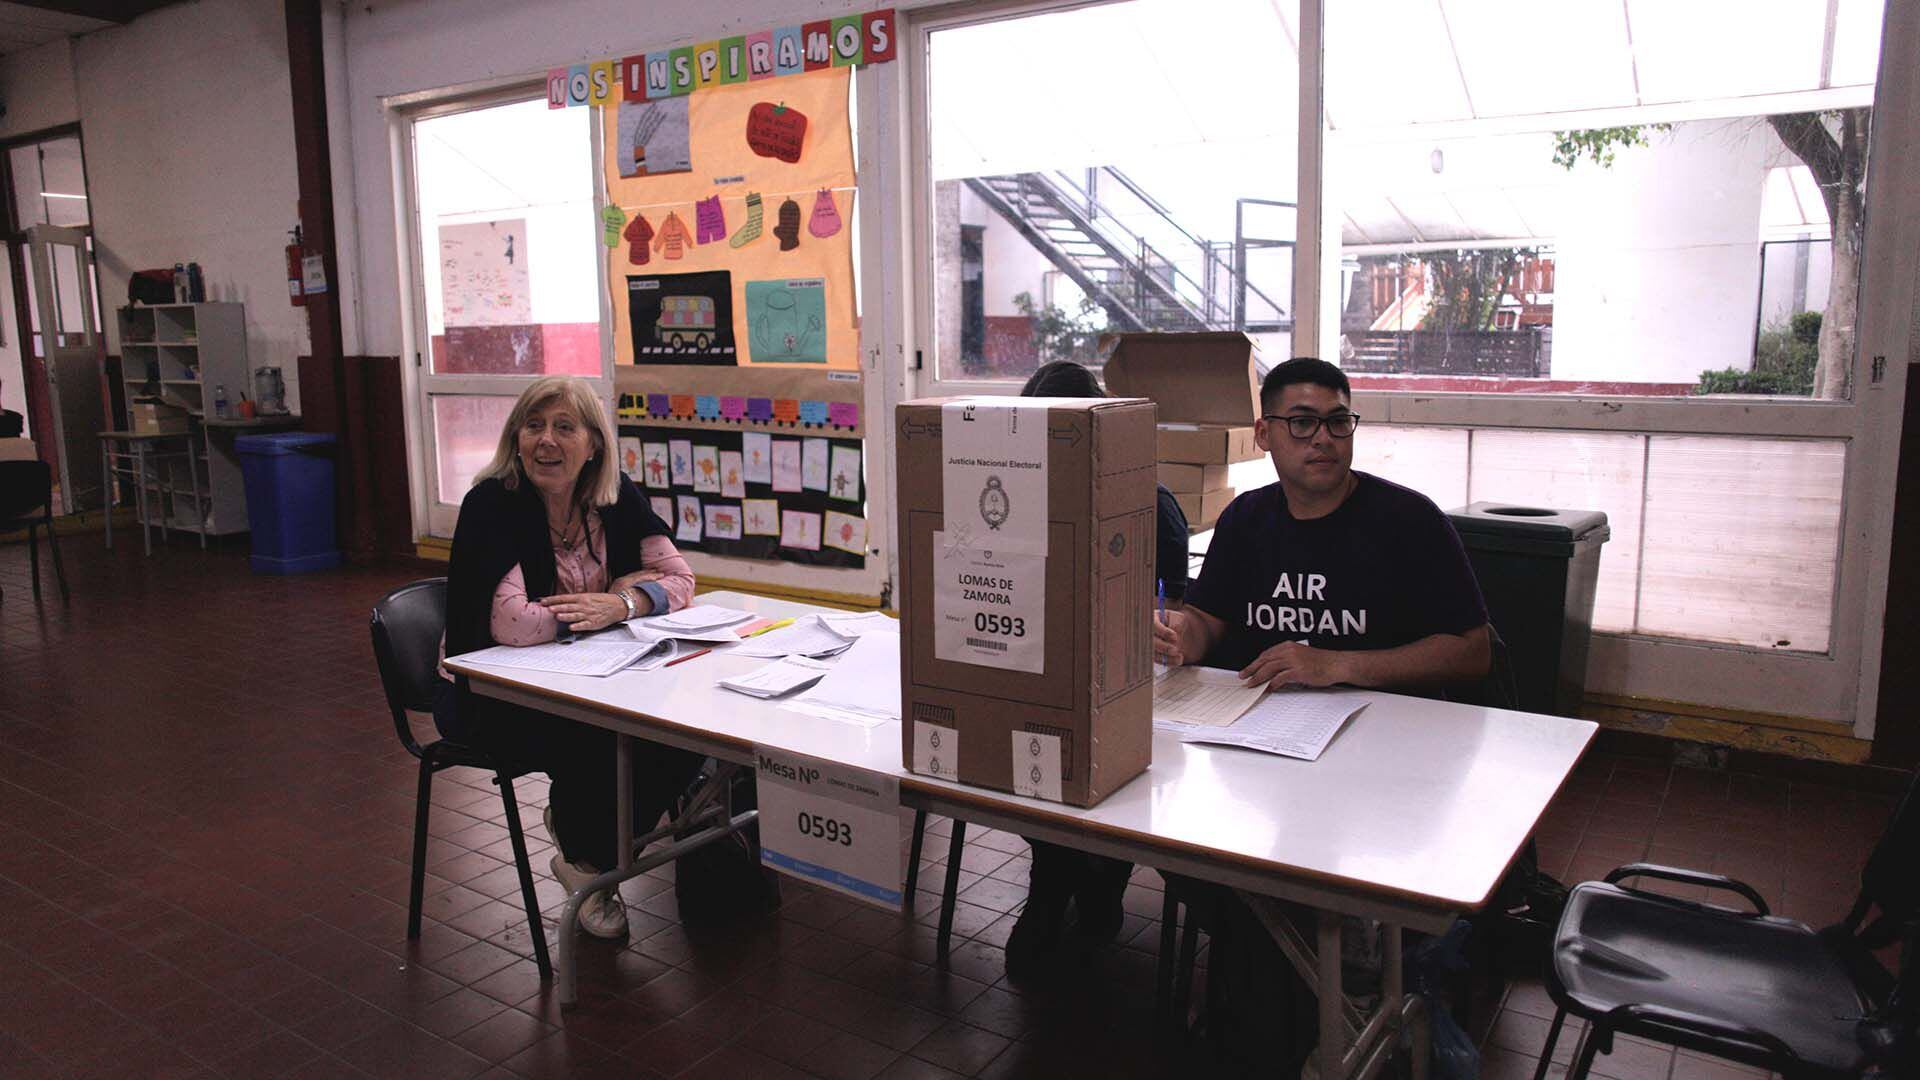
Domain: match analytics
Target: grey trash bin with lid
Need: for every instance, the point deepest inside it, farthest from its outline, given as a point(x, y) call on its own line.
point(1537, 569)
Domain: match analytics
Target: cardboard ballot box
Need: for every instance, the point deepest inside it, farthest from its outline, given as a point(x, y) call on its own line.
point(1205, 386)
point(1027, 592)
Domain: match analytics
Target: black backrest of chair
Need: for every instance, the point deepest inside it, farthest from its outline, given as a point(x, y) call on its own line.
point(25, 486)
point(1891, 880)
point(408, 624)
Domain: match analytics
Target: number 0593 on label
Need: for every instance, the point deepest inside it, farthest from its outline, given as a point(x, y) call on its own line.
point(831, 825)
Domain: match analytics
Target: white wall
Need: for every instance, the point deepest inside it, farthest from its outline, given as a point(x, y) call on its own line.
point(36, 86)
point(187, 119)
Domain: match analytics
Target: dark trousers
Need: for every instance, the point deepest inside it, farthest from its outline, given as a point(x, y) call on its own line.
point(580, 761)
point(1062, 871)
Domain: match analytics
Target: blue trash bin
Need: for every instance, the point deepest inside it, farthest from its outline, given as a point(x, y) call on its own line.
point(289, 478)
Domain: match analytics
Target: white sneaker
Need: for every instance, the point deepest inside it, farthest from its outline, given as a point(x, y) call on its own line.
point(603, 914)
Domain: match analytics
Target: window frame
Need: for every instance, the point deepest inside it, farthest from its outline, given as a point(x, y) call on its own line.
point(1839, 687)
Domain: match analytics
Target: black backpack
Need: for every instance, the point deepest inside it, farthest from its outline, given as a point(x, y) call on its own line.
point(724, 881)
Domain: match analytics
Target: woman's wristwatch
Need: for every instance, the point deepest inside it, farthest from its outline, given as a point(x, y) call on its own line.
point(626, 595)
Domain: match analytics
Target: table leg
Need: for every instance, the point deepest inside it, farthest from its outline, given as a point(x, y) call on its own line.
point(106, 487)
point(140, 496)
point(193, 478)
point(956, 846)
point(623, 775)
point(1333, 1029)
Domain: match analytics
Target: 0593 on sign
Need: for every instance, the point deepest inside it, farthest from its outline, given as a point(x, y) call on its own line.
point(832, 824)
point(825, 828)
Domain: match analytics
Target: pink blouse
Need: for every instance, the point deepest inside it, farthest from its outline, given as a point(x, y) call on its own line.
point(516, 620)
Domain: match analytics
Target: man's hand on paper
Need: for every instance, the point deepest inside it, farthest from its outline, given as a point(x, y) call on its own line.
point(1175, 640)
point(1291, 663)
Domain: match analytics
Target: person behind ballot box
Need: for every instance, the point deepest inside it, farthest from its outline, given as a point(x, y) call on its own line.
point(1330, 576)
point(553, 539)
point(1092, 885)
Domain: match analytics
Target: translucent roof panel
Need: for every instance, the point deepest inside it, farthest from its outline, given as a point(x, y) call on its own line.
point(1856, 42)
point(1686, 50)
point(1394, 64)
point(1516, 60)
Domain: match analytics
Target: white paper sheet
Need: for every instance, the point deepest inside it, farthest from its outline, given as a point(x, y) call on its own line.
point(756, 452)
point(806, 636)
point(1291, 723)
point(698, 617)
point(763, 517)
point(856, 624)
point(583, 657)
point(1203, 695)
point(813, 464)
point(780, 677)
point(866, 679)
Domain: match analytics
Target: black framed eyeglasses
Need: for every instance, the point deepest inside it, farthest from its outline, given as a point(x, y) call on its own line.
point(1339, 425)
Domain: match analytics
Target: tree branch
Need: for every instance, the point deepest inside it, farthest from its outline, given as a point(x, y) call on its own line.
point(1807, 136)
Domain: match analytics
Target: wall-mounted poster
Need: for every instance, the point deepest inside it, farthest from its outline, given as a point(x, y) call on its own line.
point(743, 517)
point(787, 321)
point(845, 481)
point(654, 457)
point(681, 318)
point(630, 459)
point(653, 137)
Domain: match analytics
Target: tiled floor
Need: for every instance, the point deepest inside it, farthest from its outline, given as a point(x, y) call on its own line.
point(204, 825)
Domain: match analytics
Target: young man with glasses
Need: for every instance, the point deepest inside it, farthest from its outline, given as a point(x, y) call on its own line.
point(1330, 576)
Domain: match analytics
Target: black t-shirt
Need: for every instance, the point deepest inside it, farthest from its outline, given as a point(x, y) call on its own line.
point(1170, 548)
point(1384, 570)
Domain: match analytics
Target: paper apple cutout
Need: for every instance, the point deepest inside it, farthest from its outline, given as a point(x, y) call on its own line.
point(776, 131)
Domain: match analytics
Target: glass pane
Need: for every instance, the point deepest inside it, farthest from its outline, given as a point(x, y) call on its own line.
point(509, 257)
point(466, 431)
point(28, 207)
point(1141, 179)
point(1742, 540)
point(1568, 470)
point(1430, 460)
point(64, 182)
point(1491, 242)
point(69, 288)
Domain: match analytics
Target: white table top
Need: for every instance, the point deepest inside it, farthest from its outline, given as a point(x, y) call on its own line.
point(1415, 800)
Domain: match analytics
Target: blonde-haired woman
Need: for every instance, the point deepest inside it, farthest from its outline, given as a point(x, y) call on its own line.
point(553, 539)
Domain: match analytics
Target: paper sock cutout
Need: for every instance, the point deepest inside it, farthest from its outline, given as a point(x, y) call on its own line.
point(789, 228)
point(751, 230)
point(611, 218)
point(710, 222)
point(826, 217)
point(671, 241)
point(639, 235)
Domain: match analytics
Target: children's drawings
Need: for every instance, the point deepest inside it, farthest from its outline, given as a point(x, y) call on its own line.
point(733, 482)
point(813, 465)
point(843, 481)
point(690, 519)
point(654, 458)
point(786, 465)
point(762, 517)
point(756, 454)
point(706, 469)
point(681, 452)
point(846, 532)
point(800, 529)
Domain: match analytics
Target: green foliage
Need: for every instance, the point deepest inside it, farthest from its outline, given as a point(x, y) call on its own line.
point(1466, 285)
point(1060, 336)
point(1784, 360)
point(1599, 144)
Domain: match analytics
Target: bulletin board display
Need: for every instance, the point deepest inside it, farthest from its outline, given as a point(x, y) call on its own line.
point(773, 399)
point(755, 495)
point(726, 225)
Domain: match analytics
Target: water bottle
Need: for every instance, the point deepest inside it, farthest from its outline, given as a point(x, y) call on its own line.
point(196, 285)
point(180, 283)
point(220, 400)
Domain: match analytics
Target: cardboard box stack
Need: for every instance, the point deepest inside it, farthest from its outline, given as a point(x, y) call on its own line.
point(1208, 395)
point(1027, 592)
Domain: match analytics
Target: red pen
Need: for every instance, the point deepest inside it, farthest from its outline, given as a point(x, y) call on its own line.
point(684, 659)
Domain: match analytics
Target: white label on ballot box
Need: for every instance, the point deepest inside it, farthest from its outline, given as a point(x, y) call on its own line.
point(831, 824)
point(989, 607)
point(936, 750)
point(993, 473)
point(1036, 765)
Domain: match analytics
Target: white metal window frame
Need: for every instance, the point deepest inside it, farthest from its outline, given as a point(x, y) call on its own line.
point(1840, 685)
point(883, 327)
point(433, 515)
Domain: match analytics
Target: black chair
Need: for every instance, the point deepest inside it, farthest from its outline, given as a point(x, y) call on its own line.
point(407, 627)
point(1747, 986)
point(26, 500)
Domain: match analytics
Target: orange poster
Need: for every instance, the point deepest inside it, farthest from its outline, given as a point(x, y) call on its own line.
point(734, 246)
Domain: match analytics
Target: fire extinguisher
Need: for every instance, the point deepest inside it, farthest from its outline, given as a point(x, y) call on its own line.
point(295, 291)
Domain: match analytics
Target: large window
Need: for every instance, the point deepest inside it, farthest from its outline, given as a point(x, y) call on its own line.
point(1547, 217)
point(1138, 174)
point(1589, 256)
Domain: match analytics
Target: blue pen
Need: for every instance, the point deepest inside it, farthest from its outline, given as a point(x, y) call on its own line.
point(1160, 585)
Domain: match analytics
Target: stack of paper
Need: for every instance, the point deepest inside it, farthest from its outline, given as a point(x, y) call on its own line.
point(585, 656)
point(863, 687)
point(696, 618)
point(780, 677)
point(1292, 723)
point(859, 624)
point(805, 636)
point(1214, 697)
point(642, 631)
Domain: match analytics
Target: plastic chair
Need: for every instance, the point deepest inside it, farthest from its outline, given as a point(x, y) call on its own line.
point(407, 626)
point(1747, 986)
point(27, 487)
